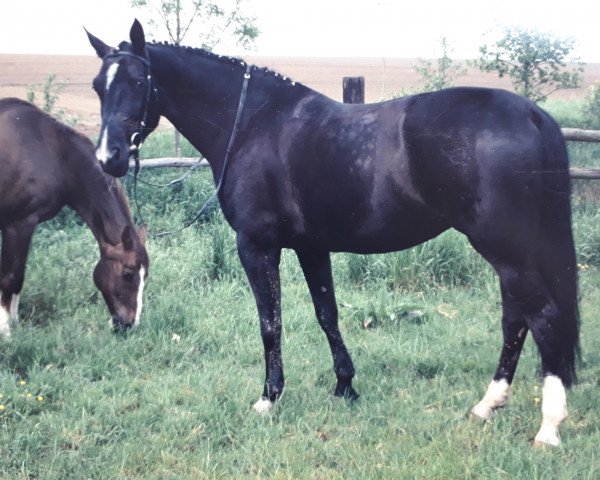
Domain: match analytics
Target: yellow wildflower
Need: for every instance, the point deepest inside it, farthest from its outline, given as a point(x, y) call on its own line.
point(39, 398)
point(22, 382)
point(2, 407)
point(29, 395)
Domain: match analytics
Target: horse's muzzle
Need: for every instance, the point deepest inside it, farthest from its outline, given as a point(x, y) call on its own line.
point(115, 165)
point(119, 324)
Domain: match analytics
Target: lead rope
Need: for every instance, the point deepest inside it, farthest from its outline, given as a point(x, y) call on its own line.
point(234, 131)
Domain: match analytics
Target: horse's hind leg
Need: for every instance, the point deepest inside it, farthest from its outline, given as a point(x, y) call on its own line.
point(316, 266)
point(514, 330)
point(531, 303)
point(16, 239)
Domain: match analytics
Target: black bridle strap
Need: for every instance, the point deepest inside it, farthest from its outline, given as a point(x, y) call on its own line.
point(232, 137)
point(136, 139)
point(135, 142)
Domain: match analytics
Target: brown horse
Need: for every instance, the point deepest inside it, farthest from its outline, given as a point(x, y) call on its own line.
point(45, 165)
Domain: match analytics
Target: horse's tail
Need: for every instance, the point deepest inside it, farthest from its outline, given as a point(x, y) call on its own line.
point(557, 258)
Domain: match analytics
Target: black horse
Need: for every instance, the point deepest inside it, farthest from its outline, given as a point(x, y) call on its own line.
point(298, 170)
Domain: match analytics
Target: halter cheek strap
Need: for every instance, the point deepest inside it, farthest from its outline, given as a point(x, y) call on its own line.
point(136, 138)
point(232, 137)
point(135, 142)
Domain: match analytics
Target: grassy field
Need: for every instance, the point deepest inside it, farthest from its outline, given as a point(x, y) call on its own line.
point(173, 399)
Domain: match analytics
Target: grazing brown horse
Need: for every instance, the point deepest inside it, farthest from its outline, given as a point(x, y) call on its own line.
point(45, 165)
point(298, 170)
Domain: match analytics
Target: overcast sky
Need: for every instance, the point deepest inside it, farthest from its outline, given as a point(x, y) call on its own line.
point(347, 28)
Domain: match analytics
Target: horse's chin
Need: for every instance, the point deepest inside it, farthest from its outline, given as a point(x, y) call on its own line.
point(117, 325)
point(116, 169)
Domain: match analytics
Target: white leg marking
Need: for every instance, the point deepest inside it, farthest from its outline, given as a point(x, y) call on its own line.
point(14, 308)
point(554, 411)
point(263, 406)
point(496, 396)
point(102, 150)
point(138, 311)
point(4, 323)
point(110, 74)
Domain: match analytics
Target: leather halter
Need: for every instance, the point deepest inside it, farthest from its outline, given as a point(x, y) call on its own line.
point(135, 141)
point(137, 136)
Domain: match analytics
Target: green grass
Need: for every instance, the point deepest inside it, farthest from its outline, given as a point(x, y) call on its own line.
point(173, 399)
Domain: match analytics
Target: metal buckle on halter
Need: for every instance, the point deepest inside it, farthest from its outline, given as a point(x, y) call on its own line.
point(135, 141)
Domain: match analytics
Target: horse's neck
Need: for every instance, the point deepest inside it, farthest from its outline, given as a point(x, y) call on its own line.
point(199, 94)
point(100, 203)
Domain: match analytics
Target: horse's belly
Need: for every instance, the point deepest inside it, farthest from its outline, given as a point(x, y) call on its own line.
point(380, 232)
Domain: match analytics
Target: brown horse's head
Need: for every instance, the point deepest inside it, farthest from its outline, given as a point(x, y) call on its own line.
point(120, 276)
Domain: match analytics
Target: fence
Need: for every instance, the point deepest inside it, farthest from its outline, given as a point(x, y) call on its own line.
point(354, 92)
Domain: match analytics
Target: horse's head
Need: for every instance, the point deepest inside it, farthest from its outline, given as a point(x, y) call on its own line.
point(120, 276)
point(128, 98)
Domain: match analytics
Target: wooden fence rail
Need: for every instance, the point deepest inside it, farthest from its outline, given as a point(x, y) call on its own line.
point(570, 134)
point(354, 92)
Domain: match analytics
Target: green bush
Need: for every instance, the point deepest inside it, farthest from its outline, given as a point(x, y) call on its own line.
point(591, 107)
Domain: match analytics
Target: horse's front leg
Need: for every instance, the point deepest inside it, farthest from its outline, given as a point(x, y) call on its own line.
point(16, 239)
point(261, 264)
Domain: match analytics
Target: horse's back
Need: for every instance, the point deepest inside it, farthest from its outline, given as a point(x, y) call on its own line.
point(32, 147)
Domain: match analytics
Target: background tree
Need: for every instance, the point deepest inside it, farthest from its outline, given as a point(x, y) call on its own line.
point(206, 23)
point(435, 74)
point(438, 74)
point(536, 62)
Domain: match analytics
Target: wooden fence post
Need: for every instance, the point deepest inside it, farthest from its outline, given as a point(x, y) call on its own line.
point(354, 89)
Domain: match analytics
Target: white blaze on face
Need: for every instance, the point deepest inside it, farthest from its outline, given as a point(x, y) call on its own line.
point(102, 150)
point(111, 72)
point(138, 311)
point(554, 411)
point(496, 396)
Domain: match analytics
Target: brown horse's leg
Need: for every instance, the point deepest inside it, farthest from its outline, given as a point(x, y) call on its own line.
point(317, 271)
point(262, 268)
point(16, 239)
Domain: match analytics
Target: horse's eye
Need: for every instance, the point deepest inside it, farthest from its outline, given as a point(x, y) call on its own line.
point(127, 276)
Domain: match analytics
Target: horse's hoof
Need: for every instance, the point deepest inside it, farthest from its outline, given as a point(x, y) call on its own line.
point(546, 440)
point(540, 444)
point(348, 393)
point(480, 413)
point(263, 406)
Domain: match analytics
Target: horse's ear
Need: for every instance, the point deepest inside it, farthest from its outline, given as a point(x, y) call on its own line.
point(127, 238)
point(102, 49)
point(138, 39)
point(143, 233)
